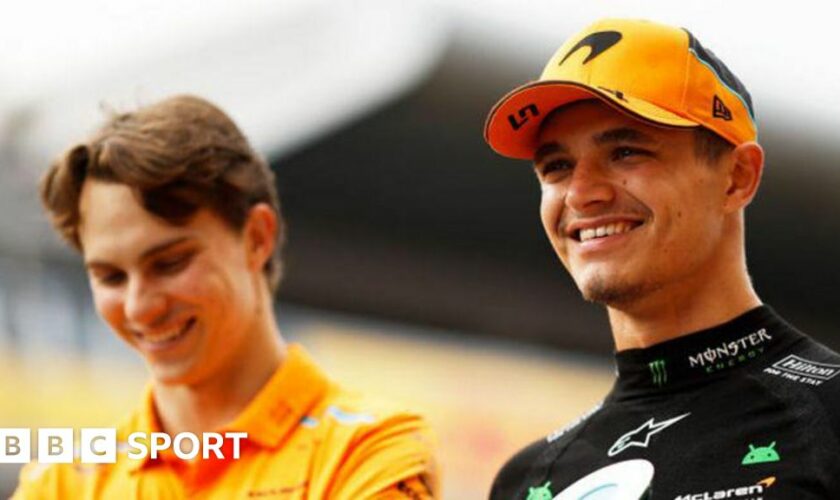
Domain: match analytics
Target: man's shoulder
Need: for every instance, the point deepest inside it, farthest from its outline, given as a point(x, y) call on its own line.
point(805, 375)
point(531, 462)
point(60, 480)
point(369, 444)
point(805, 363)
point(63, 480)
point(528, 466)
point(351, 409)
point(335, 407)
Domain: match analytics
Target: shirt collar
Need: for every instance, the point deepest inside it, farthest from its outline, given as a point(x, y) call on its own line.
point(703, 356)
point(292, 391)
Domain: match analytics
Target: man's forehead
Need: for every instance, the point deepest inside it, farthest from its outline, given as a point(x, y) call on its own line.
point(580, 113)
point(600, 123)
point(112, 204)
point(112, 223)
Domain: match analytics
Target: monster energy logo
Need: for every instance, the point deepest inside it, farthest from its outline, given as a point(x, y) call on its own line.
point(728, 354)
point(658, 372)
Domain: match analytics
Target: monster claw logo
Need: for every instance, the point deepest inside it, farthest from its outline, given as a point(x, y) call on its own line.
point(658, 372)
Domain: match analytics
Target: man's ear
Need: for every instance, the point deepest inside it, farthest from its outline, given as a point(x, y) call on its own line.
point(744, 169)
point(260, 234)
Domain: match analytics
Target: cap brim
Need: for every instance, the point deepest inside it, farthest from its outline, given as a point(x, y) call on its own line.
point(513, 125)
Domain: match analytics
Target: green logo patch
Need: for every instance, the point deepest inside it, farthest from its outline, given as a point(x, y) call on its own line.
point(658, 373)
point(541, 492)
point(761, 455)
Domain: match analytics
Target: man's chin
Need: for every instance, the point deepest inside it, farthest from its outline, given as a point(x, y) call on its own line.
point(171, 374)
point(612, 292)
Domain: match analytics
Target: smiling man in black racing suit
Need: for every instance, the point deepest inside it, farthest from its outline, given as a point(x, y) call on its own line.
point(644, 146)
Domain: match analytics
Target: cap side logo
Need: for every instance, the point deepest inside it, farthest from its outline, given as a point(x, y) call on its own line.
point(598, 42)
point(719, 110)
point(724, 75)
point(523, 115)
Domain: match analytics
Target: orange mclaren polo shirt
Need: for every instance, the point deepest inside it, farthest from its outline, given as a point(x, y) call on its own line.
point(307, 439)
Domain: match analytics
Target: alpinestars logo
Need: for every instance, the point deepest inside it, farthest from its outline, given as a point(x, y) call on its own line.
point(641, 436)
point(729, 354)
point(598, 42)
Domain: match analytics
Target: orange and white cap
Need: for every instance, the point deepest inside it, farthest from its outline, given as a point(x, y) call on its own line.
point(655, 73)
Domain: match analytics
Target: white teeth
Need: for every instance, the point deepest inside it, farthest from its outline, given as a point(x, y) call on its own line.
point(602, 231)
point(161, 338)
point(166, 336)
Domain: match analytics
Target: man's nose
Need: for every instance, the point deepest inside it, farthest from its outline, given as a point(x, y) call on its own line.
point(589, 188)
point(144, 304)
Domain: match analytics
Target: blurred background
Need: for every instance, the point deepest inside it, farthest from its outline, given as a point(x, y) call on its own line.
point(413, 251)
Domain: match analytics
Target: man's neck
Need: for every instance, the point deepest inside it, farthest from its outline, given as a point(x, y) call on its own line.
point(692, 305)
point(221, 397)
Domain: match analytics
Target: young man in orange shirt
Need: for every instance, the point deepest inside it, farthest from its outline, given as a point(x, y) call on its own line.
point(179, 225)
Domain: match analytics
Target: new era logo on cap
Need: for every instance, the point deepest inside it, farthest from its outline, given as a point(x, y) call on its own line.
point(719, 110)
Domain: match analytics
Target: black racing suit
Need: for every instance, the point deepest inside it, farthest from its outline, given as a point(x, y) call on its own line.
point(747, 410)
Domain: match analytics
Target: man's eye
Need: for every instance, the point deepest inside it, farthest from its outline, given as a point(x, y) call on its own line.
point(112, 279)
point(554, 168)
point(625, 152)
point(172, 264)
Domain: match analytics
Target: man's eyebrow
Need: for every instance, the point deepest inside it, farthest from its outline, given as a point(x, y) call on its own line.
point(160, 247)
point(623, 134)
point(547, 149)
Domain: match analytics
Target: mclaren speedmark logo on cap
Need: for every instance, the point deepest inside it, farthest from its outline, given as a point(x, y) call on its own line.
point(598, 42)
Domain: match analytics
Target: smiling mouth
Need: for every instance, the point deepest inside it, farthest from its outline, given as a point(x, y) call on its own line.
point(605, 230)
point(168, 336)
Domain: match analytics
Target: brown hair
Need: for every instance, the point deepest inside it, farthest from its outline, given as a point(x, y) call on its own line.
point(178, 155)
point(709, 146)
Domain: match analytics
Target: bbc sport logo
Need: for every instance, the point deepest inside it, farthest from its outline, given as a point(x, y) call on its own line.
point(99, 445)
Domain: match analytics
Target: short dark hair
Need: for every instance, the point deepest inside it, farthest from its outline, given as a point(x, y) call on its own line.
point(178, 155)
point(709, 146)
